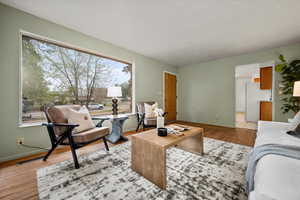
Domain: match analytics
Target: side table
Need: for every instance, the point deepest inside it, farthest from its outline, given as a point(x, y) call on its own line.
point(117, 122)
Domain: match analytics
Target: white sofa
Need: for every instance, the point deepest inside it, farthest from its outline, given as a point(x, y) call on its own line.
point(276, 177)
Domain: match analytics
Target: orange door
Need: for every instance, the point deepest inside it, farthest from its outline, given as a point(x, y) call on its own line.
point(265, 111)
point(170, 96)
point(266, 78)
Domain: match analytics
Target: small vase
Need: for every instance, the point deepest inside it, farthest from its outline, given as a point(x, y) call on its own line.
point(160, 123)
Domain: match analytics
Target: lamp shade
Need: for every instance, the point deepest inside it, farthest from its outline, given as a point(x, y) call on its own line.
point(114, 92)
point(296, 91)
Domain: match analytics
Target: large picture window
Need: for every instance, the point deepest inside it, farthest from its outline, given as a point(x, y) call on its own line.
point(56, 74)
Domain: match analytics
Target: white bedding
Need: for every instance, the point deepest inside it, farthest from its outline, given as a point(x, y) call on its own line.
point(276, 177)
point(274, 133)
point(254, 196)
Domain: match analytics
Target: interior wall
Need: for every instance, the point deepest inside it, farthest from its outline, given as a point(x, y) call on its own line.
point(248, 93)
point(148, 76)
point(253, 97)
point(240, 94)
point(207, 90)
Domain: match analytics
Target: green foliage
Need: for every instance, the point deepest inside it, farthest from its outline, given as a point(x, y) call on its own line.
point(290, 72)
point(56, 75)
point(72, 71)
point(34, 83)
point(126, 86)
point(126, 89)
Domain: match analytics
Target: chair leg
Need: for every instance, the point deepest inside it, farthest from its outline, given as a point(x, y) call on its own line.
point(72, 146)
point(49, 152)
point(143, 125)
point(53, 147)
point(105, 143)
point(140, 122)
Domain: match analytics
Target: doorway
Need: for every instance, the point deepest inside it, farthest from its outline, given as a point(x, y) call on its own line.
point(170, 96)
point(253, 94)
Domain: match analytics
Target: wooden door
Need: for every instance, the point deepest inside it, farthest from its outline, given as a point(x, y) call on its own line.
point(266, 78)
point(265, 111)
point(170, 96)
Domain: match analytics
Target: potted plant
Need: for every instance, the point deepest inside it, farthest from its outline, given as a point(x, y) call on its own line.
point(290, 72)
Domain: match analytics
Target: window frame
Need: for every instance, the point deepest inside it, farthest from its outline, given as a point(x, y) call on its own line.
point(64, 45)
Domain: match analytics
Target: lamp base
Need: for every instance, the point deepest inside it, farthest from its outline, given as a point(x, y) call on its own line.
point(115, 106)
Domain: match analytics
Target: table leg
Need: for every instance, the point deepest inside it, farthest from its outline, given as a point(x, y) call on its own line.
point(117, 131)
point(192, 144)
point(149, 160)
point(99, 124)
point(123, 138)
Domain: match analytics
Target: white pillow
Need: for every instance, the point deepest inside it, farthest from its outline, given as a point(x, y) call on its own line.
point(81, 117)
point(296, 120)
point(149, 110)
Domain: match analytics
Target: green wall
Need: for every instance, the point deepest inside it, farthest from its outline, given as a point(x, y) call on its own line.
point(148, 75)
point(207, 90)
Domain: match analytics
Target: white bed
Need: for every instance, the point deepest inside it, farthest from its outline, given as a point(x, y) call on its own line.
point(277, 177)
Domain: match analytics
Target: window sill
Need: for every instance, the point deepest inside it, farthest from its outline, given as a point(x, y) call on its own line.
point(26, 125)
point(128, 114)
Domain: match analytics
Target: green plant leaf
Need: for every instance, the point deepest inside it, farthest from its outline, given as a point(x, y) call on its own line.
point(279, 67)
point(295, 63)
point(281, 58)
point(290, 72)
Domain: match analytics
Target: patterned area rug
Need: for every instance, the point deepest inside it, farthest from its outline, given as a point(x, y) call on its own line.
point(219, 174)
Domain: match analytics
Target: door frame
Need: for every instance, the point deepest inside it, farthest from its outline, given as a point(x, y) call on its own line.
point(270, 63)
point(175, 74)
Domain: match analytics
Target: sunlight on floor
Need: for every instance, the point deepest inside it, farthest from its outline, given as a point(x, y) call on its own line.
point(240, 121)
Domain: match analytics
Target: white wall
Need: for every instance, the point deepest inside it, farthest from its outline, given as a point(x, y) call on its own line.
point(253, 97)
point(240, 94)
point(248, 94)
point(148, 76)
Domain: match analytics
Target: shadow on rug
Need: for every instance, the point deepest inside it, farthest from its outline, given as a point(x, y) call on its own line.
point(219, 174)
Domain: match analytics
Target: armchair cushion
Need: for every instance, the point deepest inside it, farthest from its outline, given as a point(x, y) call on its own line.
point(90, 135)
point(81, 117)
point(149, 110)
point(56, 116)
point(141, 106)
point(63, 112)
point(150, 121)
point(59, 114)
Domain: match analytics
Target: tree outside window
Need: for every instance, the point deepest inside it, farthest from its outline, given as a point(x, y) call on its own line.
point(53, 74)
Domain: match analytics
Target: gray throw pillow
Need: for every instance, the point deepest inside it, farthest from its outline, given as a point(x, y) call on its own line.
point(295, 122)
point(297, 129)
point(296, 132)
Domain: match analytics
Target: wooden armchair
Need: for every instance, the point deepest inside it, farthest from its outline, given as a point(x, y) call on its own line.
point(141, 116)
point(61, 132)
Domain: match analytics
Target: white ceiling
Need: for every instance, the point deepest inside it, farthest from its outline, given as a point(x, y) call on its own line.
point(177, 32)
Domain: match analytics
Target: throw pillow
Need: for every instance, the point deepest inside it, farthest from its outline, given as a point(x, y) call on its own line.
point(57, 116)
point(149, 110)
point(297, 129)
point(295, 121)
point(296, 132)
point(81, 117)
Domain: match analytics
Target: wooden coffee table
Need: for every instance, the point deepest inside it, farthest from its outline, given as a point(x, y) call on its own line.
point(148, 151)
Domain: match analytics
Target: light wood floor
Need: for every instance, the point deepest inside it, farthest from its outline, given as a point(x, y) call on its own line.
point(19, 181)
point(240, 121)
